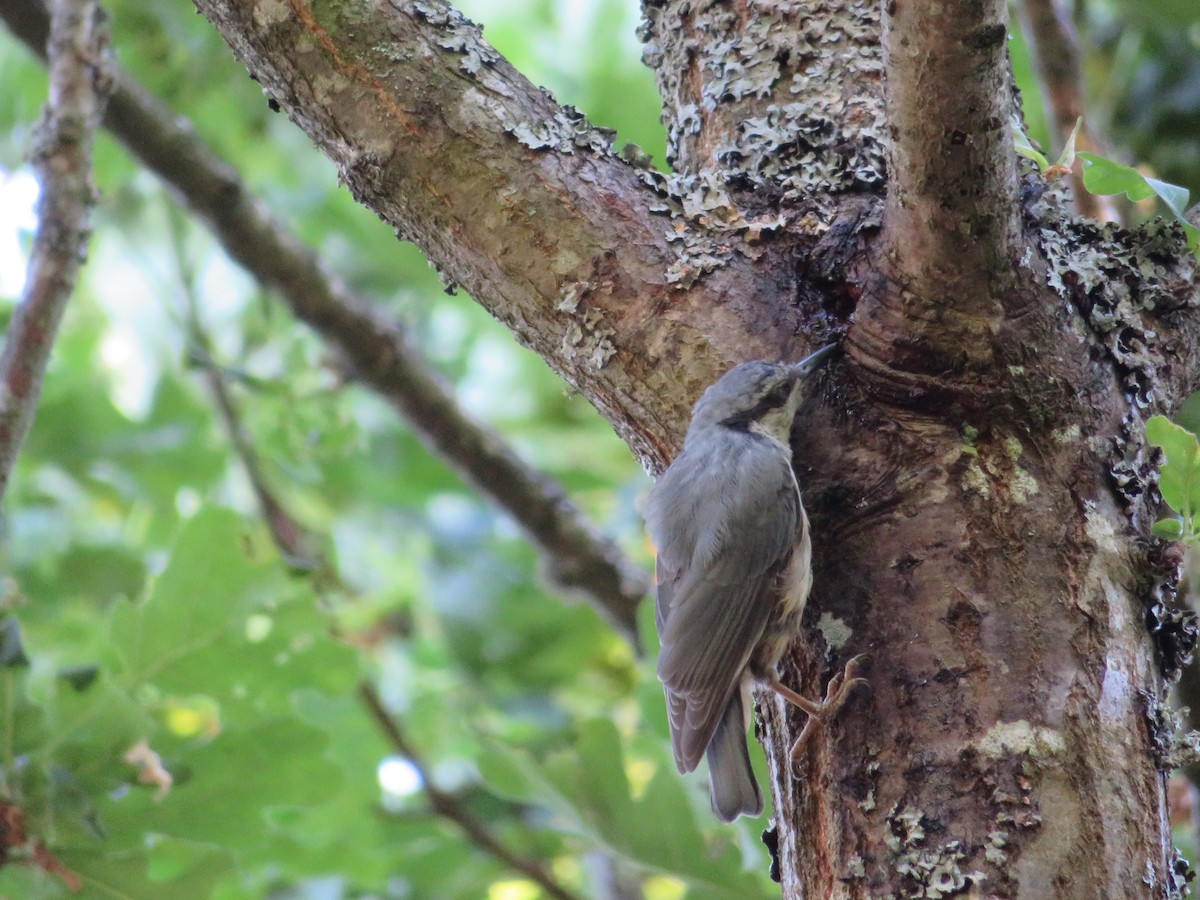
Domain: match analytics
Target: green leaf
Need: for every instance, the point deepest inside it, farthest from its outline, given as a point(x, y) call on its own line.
point(590, 793)
point(22, 723)
point(1024, 145)
point(1105, 176)
point(521, 777)
point(1167, 529)
point(226, 788)
point(1067, 157)
point(1179, 475)
point(90, 730)
point(221, 623)
point(507, 776)
point(604, 786)
point(346, 833)
point(1188, 414)
point(167, 868)
point(101, 572)
point(193, 603)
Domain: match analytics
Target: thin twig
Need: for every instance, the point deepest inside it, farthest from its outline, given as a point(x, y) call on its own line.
point(1057, 59)
point(380, 353)
point(298, 545)
point(447, 806)
point(62, 160)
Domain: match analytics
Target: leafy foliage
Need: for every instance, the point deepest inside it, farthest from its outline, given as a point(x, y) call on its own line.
point(1178, 478)
point(1104, 176)
point(199, 673)
point(1024, 147)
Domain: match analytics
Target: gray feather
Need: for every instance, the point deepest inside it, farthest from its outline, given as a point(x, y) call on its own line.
point(734, 788)
point(716, 571)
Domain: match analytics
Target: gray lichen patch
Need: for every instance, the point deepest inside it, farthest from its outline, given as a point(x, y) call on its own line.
point(568, 300)
point(1173, 744)
point(995, 852)
point(1022, 485)
point(1119, 280)
point(927, 869)
point(458, 34)
point(800, 153)
point(992, 469)
point(707, 226)
point(1132, 468)
point(975, 480)
point(584, 338)
point(566, 131)
point(1064, 436)
point(835, 631)
point(820, 69)
point(1021, 737)
point(697, 252)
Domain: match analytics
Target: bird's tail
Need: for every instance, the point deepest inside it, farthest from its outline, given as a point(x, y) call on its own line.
point(734, 789)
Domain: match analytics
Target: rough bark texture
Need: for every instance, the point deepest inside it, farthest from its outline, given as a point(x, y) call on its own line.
point(517, 199)
point(974, 468)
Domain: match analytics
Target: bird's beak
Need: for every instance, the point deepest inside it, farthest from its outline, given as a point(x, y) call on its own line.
point(813, 361)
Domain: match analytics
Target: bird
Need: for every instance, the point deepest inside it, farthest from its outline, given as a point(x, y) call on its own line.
point(733, 573)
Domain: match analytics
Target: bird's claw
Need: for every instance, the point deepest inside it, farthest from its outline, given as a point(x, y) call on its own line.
point(837, 692)
point(841, 684)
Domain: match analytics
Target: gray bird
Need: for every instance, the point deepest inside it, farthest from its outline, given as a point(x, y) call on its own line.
point(734, 570)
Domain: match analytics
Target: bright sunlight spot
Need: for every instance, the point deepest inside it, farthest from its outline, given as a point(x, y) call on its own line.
point(192, 716)
point(513, 890)
point(184, 721)
point(398, 777)
point(639, 772)
point(18, 194)
point(660, 887)
point(258, 627)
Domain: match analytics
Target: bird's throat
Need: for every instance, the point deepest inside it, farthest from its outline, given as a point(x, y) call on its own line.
point(777, 426)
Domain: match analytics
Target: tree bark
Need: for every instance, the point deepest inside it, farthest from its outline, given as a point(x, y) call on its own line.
point(974, 469)
point(80, 82)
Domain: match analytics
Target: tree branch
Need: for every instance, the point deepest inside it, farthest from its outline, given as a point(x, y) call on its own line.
point(298, 545)
point(448, 807)
point(380, 353)
point(62, 161)
point(952, 220)
point(1054, 47)
point(586, 258)
point(532, 212)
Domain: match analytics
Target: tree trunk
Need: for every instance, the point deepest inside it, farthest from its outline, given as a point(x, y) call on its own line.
point(974, 468)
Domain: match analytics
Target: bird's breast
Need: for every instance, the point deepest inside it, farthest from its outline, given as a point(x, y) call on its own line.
point(792, 586)
point(797, 576)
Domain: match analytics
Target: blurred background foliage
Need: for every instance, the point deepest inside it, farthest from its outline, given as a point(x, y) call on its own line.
point(142, 598)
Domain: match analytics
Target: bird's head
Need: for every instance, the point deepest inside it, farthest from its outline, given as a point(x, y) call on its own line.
point(758, 396)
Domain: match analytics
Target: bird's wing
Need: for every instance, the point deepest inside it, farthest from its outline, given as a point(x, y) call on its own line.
point(713, 607)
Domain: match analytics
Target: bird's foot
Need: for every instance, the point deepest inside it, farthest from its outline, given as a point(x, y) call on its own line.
point(836, 694)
